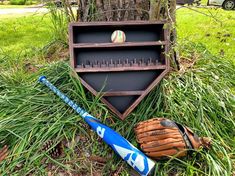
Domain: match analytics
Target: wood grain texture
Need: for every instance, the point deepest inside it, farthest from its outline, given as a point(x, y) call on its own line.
point(120, 69)
point(115, 45)
point(121, 93)
point(151, 86)
point(117, 23)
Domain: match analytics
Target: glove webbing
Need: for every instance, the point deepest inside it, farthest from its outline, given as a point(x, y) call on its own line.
point(185, 136)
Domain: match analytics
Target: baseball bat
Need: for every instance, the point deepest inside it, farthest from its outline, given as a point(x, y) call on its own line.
point(134, 157)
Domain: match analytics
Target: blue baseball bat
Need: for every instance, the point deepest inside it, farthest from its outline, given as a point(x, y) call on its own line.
point(134, 157)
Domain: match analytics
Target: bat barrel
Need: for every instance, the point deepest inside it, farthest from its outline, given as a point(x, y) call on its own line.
point(134, 157)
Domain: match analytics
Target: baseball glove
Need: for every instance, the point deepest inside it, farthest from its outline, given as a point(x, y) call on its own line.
point(160, 138)
point(3, 153)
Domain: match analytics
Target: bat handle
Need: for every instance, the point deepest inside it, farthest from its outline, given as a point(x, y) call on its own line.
point(68, 101)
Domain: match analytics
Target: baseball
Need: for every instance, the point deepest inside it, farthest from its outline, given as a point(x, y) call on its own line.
point(118, 36)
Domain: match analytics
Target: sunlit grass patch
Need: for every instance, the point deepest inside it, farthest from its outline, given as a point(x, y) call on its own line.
point(216, 30)
point(24, 33)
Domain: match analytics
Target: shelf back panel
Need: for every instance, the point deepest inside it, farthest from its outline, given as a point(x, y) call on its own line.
point(99, 34)
point(121, 103)
point(120, 81)
point(140, 53)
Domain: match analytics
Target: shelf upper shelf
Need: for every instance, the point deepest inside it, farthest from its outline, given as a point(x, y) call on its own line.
point(114, 45)
point(117, 69)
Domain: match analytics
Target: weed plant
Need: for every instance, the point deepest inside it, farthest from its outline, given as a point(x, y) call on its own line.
point(201, 97)
point(59, 23)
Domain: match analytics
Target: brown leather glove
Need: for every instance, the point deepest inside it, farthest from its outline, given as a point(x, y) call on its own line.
point(3, 153)
point(160, 138)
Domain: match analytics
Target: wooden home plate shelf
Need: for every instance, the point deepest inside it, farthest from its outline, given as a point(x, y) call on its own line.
point(123, 73)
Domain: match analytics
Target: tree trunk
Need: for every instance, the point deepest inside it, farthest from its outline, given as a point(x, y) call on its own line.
point(118, 10)
point(123, 10)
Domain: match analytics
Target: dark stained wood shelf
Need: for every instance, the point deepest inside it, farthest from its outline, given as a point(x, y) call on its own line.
point(121, 93)
point(114, 45)
point(121, 73)
point(118, 69)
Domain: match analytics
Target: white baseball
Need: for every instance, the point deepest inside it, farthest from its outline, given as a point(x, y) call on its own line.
point(118, 36)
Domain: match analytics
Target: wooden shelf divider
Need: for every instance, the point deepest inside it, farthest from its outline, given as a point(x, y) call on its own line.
point(120, 93)
point(115, 45)
point(118, 69)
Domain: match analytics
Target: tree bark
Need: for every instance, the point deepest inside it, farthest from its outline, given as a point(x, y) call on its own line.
point(123, 10)
point(115, 10)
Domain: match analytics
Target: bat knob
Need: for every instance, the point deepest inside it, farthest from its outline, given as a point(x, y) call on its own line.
point(41, 78)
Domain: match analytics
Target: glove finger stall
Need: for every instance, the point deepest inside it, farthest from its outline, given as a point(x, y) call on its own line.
point(158, 137)
point(163, 148)
point(155, 132)
point(152, 127)
point(179, 152)
point(169, 141)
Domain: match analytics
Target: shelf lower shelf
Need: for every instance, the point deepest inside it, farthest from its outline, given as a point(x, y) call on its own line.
point(114, 45)
point(118, 69)
point(121, 93)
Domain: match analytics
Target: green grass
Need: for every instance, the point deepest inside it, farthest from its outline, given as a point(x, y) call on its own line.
point(3, 6)
point(217, 34)
point(22, 38)
point(24, 33)
point(204, 2)
point(8, 6)
point(201, 97)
